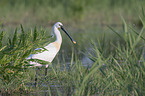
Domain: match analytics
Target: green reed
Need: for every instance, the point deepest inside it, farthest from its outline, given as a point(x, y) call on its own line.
point(118, 68)
point(117, 72)
point(13, 54)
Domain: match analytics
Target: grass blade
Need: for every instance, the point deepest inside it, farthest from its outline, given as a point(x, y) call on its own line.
point(23, 36)
point(115, 32)
point(35, 35)
point(15, 38)
point(137, 33)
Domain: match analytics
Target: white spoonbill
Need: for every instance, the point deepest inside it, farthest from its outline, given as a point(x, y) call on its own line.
point(52, 48)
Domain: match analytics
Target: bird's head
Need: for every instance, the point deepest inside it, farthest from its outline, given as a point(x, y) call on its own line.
point(58, 25)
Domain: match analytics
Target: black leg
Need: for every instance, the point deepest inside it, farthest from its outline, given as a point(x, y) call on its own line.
point(45, 71)
point(36, 77)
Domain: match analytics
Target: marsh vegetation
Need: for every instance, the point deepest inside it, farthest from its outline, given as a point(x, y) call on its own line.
point(108, 58)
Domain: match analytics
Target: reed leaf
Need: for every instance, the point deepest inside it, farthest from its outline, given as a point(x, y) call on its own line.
point(15, 38)
point(133, 30)
point(1, 37)
point(35, 34)
point(115, 32)
point(23, 36)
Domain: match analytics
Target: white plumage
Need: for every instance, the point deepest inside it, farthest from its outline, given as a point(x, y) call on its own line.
point(52, 48)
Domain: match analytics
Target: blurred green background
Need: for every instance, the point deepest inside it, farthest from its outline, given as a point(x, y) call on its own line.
point(80, 12)
point(85, 20)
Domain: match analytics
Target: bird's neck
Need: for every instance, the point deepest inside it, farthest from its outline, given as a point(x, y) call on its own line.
point(58, 36)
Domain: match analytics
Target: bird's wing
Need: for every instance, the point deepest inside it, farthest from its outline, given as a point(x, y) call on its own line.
point(47, 55)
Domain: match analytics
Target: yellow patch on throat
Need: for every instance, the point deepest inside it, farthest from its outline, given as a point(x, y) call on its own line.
point(57, 45)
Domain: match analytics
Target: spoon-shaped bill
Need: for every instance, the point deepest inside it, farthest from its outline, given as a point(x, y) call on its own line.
point(68, 35)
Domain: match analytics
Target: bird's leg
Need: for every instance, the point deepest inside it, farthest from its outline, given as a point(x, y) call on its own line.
point(45, 71)
point(36, 77)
